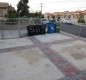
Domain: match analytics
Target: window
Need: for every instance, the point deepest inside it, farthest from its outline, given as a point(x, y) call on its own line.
point(1, 13)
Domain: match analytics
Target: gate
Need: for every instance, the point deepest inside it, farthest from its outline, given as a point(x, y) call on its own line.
point(10, 28)
point(0, 29)
point(2, 36)
point(22, 28)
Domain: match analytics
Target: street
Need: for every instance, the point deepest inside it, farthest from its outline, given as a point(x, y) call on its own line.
point(74, 29)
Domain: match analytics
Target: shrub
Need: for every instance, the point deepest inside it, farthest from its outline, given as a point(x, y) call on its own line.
point(81, 21)
point(11, 21)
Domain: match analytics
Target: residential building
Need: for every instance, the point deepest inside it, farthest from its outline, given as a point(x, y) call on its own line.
point(3, 9)
point(84, 13)
point(73, 15)
point(48, 16)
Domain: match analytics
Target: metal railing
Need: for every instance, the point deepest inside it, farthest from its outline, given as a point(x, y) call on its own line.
point(15, 27)
point(78, 30)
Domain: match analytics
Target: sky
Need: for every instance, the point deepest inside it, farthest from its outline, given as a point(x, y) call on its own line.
point(52, 5)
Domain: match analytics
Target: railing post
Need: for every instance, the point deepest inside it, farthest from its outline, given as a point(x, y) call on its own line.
point(80, 31)
point(2, 31)
point(19, 27)
point(60, 26)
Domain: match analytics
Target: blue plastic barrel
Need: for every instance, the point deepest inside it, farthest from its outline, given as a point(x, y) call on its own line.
point(50, 27)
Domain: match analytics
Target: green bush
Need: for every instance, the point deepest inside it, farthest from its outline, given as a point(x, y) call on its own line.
point(11, 21)
point(81, 21)
point(57, 30)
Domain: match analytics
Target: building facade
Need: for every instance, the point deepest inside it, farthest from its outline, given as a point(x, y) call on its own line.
point(73, 16)
point(3, 9)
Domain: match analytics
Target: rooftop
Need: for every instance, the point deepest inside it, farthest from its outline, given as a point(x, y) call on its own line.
point(73, 12)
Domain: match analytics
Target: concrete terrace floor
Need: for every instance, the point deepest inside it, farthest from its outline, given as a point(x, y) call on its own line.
point(43, 57)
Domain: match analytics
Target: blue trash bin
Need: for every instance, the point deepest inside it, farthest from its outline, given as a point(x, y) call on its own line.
point(50, 27)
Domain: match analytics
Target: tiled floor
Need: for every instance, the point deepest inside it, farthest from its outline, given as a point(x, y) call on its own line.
point(38, 60)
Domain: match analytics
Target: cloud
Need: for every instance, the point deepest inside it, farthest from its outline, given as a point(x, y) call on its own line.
point(52, 5)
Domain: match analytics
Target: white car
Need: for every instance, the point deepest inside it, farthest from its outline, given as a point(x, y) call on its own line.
point(44, 21)
point(67, 21)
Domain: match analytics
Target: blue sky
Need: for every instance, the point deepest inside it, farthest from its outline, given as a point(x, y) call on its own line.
point(53, 5)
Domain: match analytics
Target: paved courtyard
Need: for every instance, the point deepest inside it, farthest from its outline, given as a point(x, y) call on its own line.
point(43, 57)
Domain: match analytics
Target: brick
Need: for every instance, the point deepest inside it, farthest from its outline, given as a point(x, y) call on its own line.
point(58, 59)
point(84, 78)
point(69, 70)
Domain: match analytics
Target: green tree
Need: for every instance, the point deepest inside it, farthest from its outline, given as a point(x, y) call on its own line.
point(81, 19)
point(53, 17)
point(58, 18)
point(42, 16)
point(11, 13)
point(35, 14)
point(23, 8)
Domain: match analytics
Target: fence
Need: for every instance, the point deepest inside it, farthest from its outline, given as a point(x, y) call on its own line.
point(15, 28)
point(78, 30)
